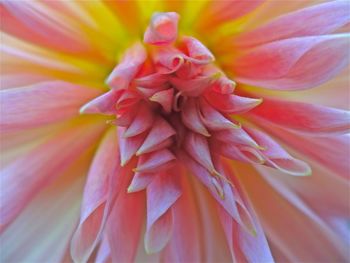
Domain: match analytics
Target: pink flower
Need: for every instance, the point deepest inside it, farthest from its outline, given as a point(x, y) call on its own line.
point(221, 135)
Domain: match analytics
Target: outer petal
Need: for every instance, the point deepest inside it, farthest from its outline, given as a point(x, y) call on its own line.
point(162, 193)
point(303, 117)
point(315, 20)
point(30, 173)
point(93, 210)
point(42, 232)
point(296, 63)
point(41, 104)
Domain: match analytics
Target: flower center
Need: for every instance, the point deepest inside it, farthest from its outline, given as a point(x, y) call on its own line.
point(171, 101)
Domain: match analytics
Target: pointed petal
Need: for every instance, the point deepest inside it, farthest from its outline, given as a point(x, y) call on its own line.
point(161, 130)
point(95, 197)
point(104, 104)
point(162, 193)
point(155, 161)
point(142, 121)
point(229, 103)
point(162, 29)
point(277, 157)
point(140, 181)
point(41, 104)
point(303, 117)
point(164, 98)
point(128, 146)
point(191, 117)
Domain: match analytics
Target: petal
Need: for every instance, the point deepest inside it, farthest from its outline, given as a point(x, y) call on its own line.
point(41, 104)
point(277, 157)
point(142, 121)
point(296, 63)
point(155, 161)
point(191, 117)
point(164, 98)
point(129, 66)
point(28, 174)
point(162, 193)
point(315, 20)
point(128, 146)
point(162, 29)
point(303, 117)
point(294, 228)
point(217, 12)
point(229, 103)
point(140, 181)
point(93, 210)
point(104, 104)
point(161, 130)
point(198, 53)
point(123, 228)
point(52, 216)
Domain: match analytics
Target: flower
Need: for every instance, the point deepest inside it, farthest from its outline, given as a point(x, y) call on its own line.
point(213, 136)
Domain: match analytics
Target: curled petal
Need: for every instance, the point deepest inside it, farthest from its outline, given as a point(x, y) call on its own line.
point(168, 60)
point(163, 29)
point(164, 98)
point(143, 121)
point(194, 87)
point(104, 104)
point(126, 70)
point(196, 51)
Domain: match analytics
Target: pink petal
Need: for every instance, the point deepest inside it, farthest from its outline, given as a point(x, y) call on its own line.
point(160, 132)
point(168, 59)
point(30, 173)
point(229, 103)
point(277, 157)
point(194, 87)
point(197, 147)
point(311, 21)
point(126, 70)
point(123, 228)
point(191, 117)
point(296, 63)
point(142, 121)
point(104, 104)
point(128, 146)
point(41, 104)
point(93, 210)
point(155, 161)
point(162, 29)
point(162, 193)
point(236, 137)
point(213, 119)
point(103, 254)
point(303, 117)
point(140, 181)
point(164, 98)
point(197, 52)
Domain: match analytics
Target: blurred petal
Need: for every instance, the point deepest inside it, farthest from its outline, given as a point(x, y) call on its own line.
point(41, 104)
point(296, 63)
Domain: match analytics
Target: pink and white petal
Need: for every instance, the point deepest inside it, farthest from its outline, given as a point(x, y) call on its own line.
point(281, 218)
point(103, 254)
point(31, 172)
point(123, 228)
point(303, 117)
point(41, 104)
point(19, 79)
point(155, 161)
point(294, 64)
point(93, 209)
point(104, 104)
point(52, 216)
point(140, 181)
point(185, 244)
point(143, 121)
point(311, 21)
point(162, 193)
point(190, 116)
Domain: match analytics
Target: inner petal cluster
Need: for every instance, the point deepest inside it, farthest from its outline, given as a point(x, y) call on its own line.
point(171, 100)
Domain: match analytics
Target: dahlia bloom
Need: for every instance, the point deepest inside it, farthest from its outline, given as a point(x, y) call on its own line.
point(175, 131)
